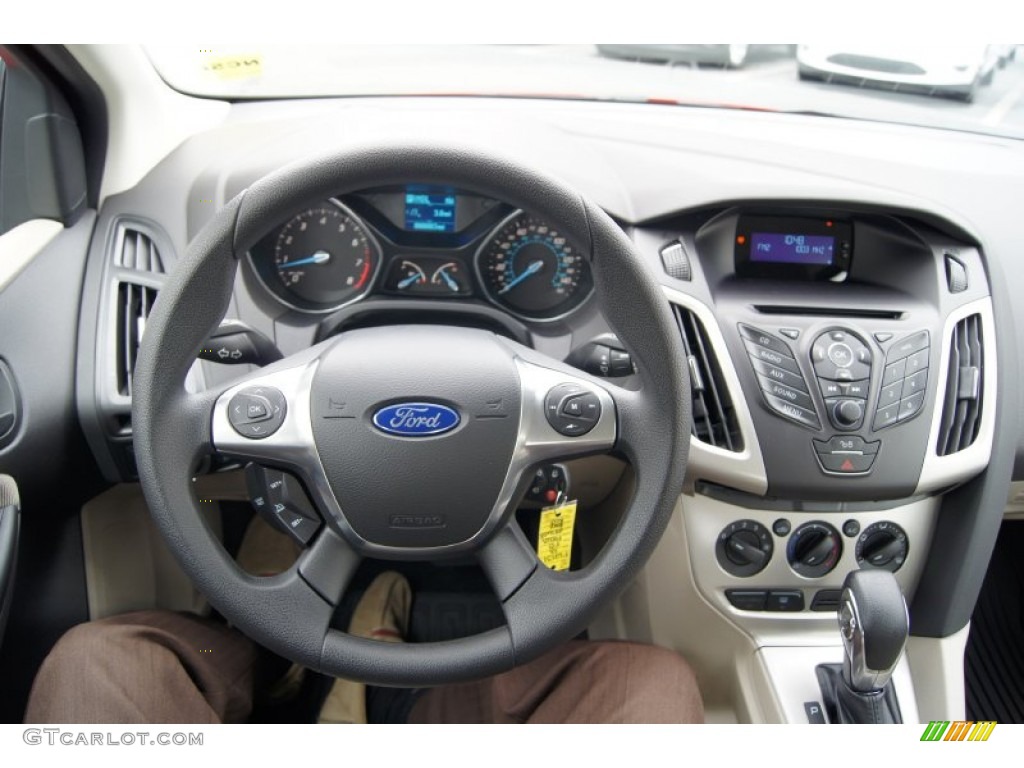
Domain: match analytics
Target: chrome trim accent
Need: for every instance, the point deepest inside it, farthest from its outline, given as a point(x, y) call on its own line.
point(940, 472)
point(293, 446)
point(743, 470)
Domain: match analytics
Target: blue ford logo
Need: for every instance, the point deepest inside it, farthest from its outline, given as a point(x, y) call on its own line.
point(416, 419)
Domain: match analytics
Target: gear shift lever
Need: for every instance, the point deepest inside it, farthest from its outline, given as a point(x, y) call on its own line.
point(874, 625)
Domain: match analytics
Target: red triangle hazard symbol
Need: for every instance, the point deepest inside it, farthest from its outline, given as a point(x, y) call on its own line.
point(847, 466)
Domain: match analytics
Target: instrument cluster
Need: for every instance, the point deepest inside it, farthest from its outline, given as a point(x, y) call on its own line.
point(423, 242)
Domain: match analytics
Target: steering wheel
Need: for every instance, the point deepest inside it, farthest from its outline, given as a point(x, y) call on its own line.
point(438, 479)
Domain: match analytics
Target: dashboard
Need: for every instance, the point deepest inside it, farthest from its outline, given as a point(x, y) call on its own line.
point(838, 320)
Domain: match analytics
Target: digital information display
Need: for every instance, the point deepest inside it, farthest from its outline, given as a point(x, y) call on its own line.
point(779, 248)
point(429, 211)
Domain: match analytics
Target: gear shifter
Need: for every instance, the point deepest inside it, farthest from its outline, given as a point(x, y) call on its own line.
point(874, 625)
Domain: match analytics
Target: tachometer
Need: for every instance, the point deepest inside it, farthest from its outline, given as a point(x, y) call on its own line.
point(532, 270)
point(325, 257)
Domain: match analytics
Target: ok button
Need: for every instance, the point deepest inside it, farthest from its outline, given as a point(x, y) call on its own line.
point(841, 355)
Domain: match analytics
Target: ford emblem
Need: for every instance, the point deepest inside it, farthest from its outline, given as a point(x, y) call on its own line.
point(416, 419)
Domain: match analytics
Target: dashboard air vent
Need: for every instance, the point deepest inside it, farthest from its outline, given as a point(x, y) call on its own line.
point(714, 418)
point(135, 250)
point(961, 411)
point(134, 303)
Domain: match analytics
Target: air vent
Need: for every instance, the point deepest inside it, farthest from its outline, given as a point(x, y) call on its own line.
point(714, 418)
point(134, 303)
point(961, 411)
point(137, 251)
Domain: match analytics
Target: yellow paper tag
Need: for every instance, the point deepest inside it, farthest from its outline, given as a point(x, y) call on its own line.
point(235, 67)
point(554, 535)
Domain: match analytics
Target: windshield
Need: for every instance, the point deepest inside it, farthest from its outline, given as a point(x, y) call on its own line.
point(978, 88)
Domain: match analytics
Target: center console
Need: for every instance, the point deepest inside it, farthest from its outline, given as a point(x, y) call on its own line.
point(847, 354)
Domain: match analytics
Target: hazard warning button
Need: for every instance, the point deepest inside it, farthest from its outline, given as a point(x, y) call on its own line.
point(846, 455)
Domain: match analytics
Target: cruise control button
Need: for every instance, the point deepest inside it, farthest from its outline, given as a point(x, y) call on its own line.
point(885, 417)
point(890, 395)
point(911, 406)
point(766, 340)
point(786, 393)
point(299, 527)
point(916, 383)
point(908, 345)
point(795, 412)
point(846, 463)
point(917, 362)
point(772, 357)
point(894, 373)
point(781, 375)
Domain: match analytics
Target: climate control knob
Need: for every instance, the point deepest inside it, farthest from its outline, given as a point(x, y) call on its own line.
point(814, 549)
point(744, 548)
point(882, 545)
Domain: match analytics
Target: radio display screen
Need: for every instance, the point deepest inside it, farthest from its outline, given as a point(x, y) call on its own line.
point(785, 248)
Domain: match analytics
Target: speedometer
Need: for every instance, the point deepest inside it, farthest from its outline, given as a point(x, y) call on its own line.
point(531, 269)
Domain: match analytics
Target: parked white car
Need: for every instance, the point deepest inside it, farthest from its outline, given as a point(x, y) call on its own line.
point(952, 71)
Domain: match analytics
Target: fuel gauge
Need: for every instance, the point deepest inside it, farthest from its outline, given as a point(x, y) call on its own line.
point(428, 276)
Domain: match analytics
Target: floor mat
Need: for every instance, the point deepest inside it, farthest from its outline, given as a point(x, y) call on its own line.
point(994, 661)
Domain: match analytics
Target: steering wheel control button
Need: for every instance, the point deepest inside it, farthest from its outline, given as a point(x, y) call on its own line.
point(785, 601)
point(744, 548)
point(790, 333)
point(814, 549)
point(257, 412)
point(572, 410)
point(746, 599)
point(280, 500)
point(882, 545)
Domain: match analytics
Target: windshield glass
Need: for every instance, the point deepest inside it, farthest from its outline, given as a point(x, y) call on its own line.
point(978, 88)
